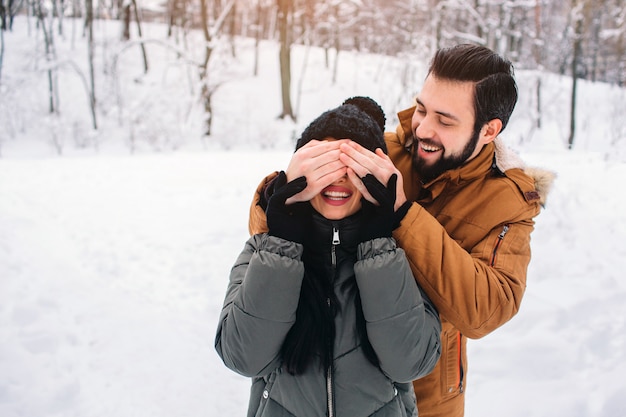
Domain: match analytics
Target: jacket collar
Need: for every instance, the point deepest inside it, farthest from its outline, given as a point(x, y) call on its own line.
point(493, 156)
point(322, 234)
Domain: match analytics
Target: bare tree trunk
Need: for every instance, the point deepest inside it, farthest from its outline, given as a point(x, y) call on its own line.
point(337, 43)
point(257, 37)
point(125, 21)
point(307, 25)
point(572, 126)
point(13, 10)
point(60, 11)
point(232, 30)
point(621, 59)
point(207, 89)
point(90, 48)
point(538, 99)
point(438, 26)
point(3, 16)
point(50, 54)
point(204, 68)
point(595, 40)
point(1, 51)
point(173, 15)
point(538, 61)
point(285, 58)
point(577, 53)
point(143, 47)
point(326, 56)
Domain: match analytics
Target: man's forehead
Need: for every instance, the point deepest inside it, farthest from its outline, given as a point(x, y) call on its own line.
point(447, 96)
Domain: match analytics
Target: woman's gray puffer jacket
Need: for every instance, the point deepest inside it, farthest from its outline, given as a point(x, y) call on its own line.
point(402, 326)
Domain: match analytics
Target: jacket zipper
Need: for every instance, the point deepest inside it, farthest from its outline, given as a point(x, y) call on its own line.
point(499, 240)
point(329, 391)
point(335, 241)
point(461, 373)
point(329, 372)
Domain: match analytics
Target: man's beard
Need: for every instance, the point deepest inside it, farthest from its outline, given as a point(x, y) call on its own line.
point(428, 173)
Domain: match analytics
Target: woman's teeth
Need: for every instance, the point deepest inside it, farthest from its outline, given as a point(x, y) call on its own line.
point(336, 195)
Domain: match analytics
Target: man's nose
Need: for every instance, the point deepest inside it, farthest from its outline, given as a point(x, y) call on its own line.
point(425, 128)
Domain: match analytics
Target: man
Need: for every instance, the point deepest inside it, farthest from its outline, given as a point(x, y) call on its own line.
point(467, 232)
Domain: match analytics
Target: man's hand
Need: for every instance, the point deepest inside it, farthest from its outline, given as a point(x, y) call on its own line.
point(319, 162)
point(361, 161)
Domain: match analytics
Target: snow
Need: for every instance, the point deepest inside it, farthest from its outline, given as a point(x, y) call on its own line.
point(113, 265)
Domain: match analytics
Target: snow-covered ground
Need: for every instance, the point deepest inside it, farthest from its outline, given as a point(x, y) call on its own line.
point(113, 270)
point(113, 266)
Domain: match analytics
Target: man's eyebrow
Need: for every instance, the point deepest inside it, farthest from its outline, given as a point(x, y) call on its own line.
point(441, 113)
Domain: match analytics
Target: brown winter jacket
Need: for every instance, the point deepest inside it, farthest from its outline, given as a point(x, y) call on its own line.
point(467, 239)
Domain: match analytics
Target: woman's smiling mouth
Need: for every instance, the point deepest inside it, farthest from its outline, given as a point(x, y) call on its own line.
point(336, 195)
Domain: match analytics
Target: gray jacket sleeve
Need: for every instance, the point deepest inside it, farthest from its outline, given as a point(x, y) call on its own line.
point(260, 305)
point(402, 324)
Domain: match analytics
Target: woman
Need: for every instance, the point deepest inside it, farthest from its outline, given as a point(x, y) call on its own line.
point(323, 311)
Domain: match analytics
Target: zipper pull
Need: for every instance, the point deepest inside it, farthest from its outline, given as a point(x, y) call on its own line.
point(499, 240)
point(336, 240)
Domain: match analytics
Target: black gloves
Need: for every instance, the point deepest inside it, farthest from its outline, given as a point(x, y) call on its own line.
point(293, 222)
point(381, 220)
point(289, 222)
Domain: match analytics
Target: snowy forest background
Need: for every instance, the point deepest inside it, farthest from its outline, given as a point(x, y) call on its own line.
point(132, 135)
point(156, 75)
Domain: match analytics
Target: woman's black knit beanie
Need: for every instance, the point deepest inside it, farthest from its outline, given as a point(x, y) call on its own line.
point(358, 118)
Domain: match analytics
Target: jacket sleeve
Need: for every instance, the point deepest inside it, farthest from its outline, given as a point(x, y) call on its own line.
point(476, 290)
point(260, 305)
point(402, 324)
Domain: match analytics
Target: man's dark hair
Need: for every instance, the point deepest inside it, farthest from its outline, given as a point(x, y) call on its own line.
point(495, 90)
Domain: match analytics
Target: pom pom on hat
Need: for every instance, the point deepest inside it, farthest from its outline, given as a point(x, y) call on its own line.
point(370, 107)
point(358, 118)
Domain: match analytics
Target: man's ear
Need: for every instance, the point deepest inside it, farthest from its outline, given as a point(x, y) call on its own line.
point(490, 131)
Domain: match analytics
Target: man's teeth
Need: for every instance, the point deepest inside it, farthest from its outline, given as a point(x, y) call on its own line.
point(336, 195)
point(430, 148)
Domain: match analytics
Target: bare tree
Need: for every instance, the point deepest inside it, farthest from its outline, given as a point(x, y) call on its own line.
point(613, 43)
point(578, 19)
point(579, 38)
point(210, 30)
point(257, 36)
point(620, 47)
point(128, 8)
point(90, 56)
point(125, 16)
point(46, 28)
point(176, 15)
point(3, 16)
point(284, 29)
point(144, 55)
point(8, 10)
point(538, 58)
point(2, 29)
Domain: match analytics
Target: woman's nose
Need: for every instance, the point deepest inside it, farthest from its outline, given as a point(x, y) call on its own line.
point(341, 180)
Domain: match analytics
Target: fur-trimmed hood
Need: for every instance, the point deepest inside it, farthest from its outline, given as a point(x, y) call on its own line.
point(507, 158)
